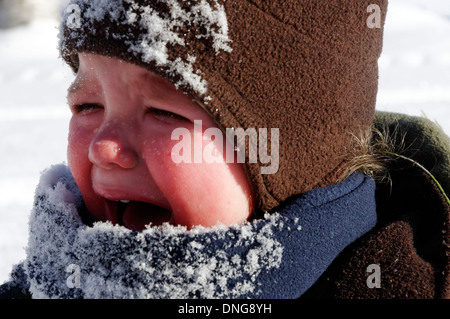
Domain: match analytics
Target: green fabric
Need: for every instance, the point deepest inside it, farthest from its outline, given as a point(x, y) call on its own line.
point(422, 134)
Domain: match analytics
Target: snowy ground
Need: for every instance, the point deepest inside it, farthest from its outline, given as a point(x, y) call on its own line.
point(414, 79)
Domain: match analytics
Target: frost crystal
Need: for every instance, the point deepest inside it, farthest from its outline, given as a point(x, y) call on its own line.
point(157, 31)
point(159, 262)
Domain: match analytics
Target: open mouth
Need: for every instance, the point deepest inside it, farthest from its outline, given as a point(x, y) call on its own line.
point(136, 215)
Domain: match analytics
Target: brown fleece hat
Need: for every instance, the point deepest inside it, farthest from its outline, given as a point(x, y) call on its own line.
point(308, 68)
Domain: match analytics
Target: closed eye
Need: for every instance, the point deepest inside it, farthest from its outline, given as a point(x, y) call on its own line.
point(166, 116)
point(85, 108)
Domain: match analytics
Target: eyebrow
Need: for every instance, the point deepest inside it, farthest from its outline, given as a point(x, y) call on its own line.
point(153, 79)
point(152, 85)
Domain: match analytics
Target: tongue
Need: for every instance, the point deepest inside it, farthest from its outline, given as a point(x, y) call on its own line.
point(139, 214)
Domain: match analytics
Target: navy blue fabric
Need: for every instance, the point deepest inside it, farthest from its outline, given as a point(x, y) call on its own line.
point(279, 256)
point(331, 218)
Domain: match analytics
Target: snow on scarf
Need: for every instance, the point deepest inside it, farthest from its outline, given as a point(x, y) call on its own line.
point(279, 256)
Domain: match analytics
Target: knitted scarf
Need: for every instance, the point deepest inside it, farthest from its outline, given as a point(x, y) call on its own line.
point(279, 256)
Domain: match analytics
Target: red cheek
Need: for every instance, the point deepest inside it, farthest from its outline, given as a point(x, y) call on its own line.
point(198, 193)
point(78, 149)
point(80, 167)
point(170, 177)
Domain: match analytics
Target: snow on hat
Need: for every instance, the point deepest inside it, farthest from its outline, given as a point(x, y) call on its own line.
point(308, 68)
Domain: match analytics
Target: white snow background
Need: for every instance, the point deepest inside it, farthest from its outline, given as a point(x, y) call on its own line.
point(414, 79)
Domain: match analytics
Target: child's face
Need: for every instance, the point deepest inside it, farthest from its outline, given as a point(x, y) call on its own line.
point(120, 146)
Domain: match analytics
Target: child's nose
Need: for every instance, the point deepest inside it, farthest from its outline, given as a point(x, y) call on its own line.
point(110, 148)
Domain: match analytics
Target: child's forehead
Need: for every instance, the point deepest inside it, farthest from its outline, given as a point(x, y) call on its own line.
point(102, 77)
point(99, 65)
point(94, 70)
